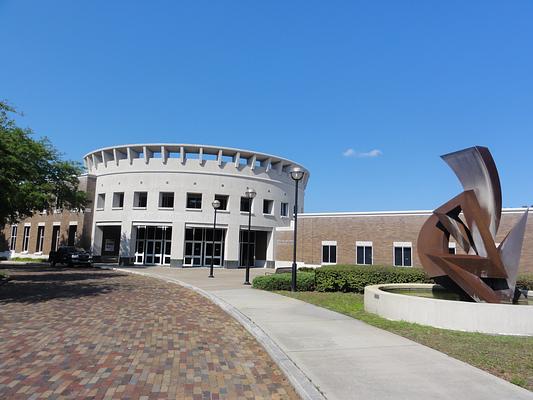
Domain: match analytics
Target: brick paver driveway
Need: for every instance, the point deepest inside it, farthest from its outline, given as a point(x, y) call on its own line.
point(88, 333)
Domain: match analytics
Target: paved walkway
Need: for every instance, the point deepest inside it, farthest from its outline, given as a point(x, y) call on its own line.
point(343, 357)
point(85, 333)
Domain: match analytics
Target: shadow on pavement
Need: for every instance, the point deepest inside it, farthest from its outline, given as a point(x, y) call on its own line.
point(30, 284)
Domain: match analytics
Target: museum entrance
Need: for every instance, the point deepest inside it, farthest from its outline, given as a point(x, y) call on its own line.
point(110, 241)
point(199, 247)
point(152, 245)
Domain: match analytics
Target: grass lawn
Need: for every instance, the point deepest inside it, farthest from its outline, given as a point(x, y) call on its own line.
point(29, 259)
point(509, 357)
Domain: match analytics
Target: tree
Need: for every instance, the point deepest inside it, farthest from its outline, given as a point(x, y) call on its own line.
point(33, 176)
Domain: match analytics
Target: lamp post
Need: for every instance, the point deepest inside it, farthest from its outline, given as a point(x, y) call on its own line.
point(296, 174)
point(250, 194)
point(216, 206)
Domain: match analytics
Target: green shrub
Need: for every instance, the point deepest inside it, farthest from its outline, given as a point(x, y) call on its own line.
point(306, 269)
point(305, 282)
point(525, 281)
point(354, 278)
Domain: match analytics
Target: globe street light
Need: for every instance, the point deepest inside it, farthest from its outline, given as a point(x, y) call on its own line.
point(216, 206)
point(249, 194)
point(296, 174)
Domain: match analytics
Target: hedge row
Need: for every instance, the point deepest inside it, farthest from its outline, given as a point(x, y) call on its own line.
point(354, 278)
point(305, 282)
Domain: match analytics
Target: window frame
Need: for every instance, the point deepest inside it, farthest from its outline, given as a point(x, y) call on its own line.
point(120, 202)
point(329, 244)
point(270, 206)
point(100, 201)
point(286, 214)
point(161, 202)
point(403, 246)
point(364, 245)
point(26, 238)
point(136, 202)
point(225, 199)
point(188, 198)
point(250, 202)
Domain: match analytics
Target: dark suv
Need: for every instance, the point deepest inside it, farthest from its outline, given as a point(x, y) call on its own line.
point(70, 255)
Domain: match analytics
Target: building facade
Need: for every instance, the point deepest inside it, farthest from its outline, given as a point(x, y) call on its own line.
point(153, 204)
point(376, 238)
point(45, 231)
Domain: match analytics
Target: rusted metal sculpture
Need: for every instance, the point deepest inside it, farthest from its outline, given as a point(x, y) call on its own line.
point(485, 272)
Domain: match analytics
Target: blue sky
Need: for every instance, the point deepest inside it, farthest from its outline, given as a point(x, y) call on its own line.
point(366, 95)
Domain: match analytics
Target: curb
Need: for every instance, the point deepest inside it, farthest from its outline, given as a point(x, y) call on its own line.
point(300, 382)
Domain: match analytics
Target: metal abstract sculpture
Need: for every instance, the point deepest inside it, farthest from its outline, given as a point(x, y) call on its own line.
point(485, 272)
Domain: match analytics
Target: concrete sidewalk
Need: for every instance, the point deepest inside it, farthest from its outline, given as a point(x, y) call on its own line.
point(343, 357)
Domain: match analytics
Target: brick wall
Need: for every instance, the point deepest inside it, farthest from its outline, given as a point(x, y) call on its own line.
point(83, 220)
point(381, 230)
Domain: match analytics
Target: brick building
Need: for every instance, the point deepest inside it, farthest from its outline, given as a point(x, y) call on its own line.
point(46, 231)
point(379, 238)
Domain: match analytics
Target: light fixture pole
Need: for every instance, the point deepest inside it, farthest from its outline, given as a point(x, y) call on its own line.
point(296, 174)
point(216, 206)
point(250, 194)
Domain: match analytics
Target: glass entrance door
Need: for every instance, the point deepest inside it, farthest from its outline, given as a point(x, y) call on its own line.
point(153, 245)
point(199, 247)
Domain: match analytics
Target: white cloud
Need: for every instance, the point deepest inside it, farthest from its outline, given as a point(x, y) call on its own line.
point(369, 154)
point(348, 153)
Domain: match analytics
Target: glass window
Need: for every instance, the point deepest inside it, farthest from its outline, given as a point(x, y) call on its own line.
point(194, 200)
point(284, 209)
point(268, 206)
point(402, 256)
point(100, 201)
point(329, 254)
point(72, 230)
point(364, 253)
point(166, 199)
point(40, 239)
point(13, 239)
point(26, 238)
point(223, 201)
point(118, 200)
point(140, 199)
point(245, 204)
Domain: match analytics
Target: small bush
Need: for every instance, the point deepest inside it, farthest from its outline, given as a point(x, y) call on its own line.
point(525, 282)
point(354, 278)
point(306, 269)
point(305, 282)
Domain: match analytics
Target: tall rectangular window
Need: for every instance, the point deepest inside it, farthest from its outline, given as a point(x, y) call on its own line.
point(246, 204)
point(55, 237)
point(140, 199)
point(223, 201)
point(194, 200)
point(40, 239)
point(72, 230)
point(166, 200)
point(118, 200)
point(363, 252)
point(100, 201)
point(403, 254)
point(284, 212)
point(329, 252)
point(13, 238)
point(26, 239)
point(268, 206)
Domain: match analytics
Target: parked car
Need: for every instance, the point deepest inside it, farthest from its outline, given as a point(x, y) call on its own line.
point(70, 255)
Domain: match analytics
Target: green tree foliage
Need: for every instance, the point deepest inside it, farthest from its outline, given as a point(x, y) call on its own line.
point(33, 176)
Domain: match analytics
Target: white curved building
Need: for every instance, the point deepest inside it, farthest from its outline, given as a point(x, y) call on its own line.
point(153, 204)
